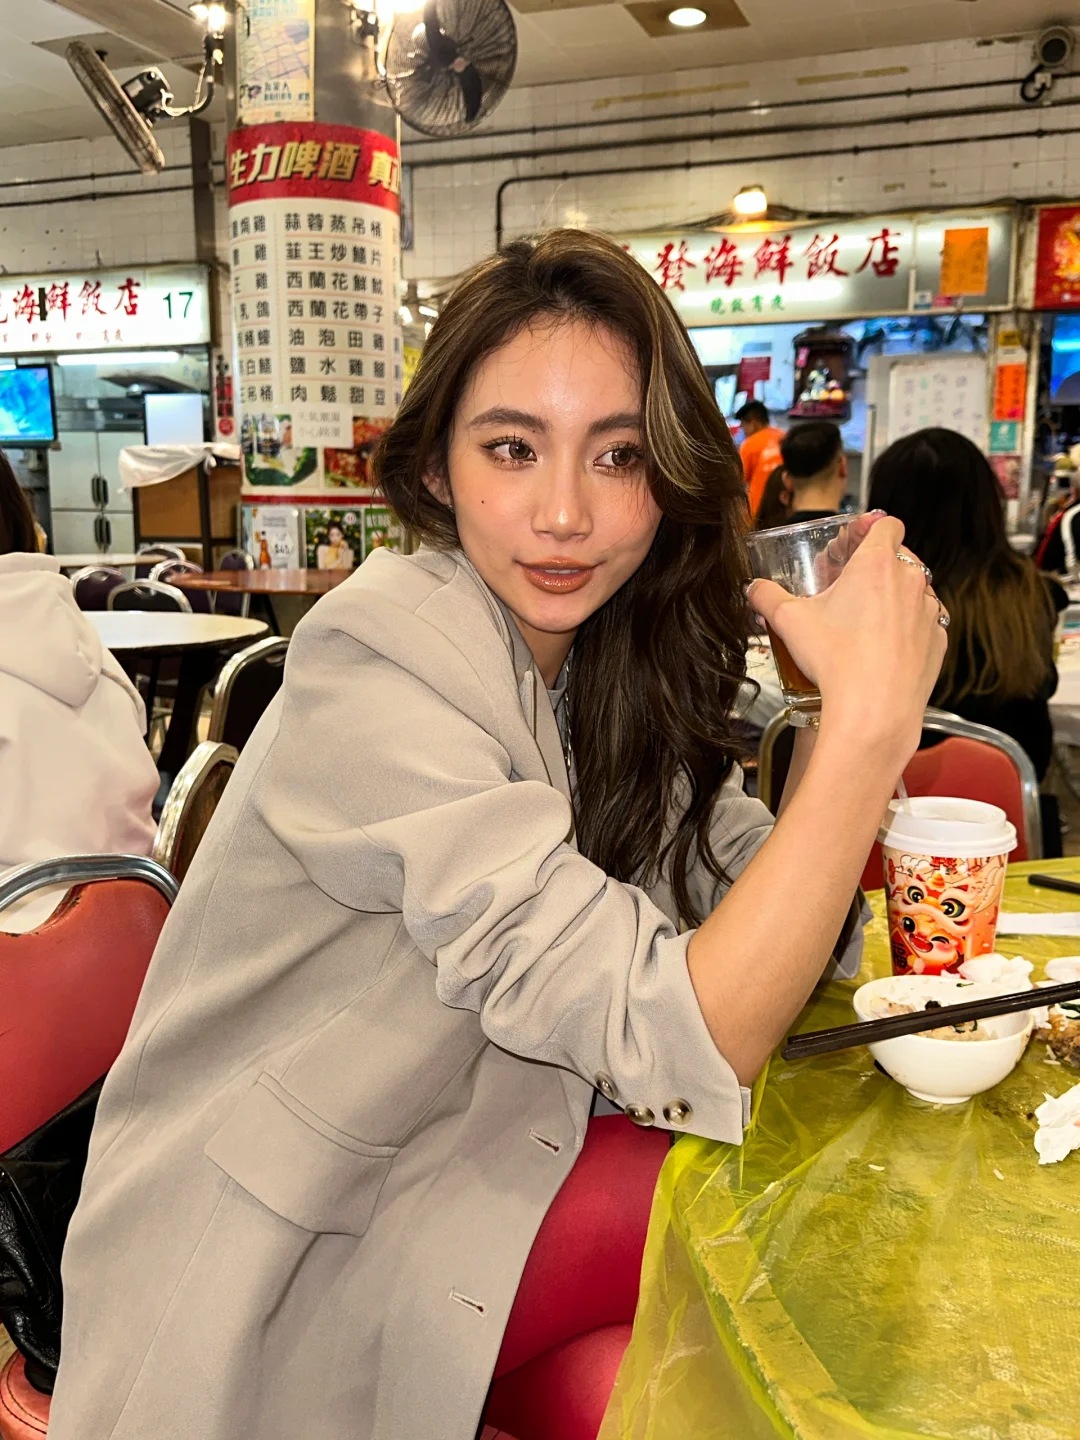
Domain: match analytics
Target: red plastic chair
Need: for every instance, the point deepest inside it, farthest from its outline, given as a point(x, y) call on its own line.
point(974, 761)
point(67, 993)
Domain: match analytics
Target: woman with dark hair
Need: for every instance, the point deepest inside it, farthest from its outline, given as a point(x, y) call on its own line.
point(999, 667)
point(76, 777)
point(486, 860)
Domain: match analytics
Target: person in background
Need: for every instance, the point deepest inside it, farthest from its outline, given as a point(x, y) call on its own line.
point(76, 777)
point(775, 507)
point(759, 451)
point(999, 667)
point(816, 467)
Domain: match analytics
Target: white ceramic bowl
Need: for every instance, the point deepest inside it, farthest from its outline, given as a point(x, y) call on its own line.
point(946, 1072)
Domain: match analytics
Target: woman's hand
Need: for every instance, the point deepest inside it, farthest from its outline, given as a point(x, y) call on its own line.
point(871, 642)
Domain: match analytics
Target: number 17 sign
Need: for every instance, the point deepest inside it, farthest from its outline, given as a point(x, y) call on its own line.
point(94, 310)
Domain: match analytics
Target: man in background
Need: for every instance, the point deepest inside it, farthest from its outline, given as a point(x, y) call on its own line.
point(760, 449)
point(816, 467)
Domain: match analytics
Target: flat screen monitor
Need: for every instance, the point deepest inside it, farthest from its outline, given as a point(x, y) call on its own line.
point(173, 419)
point(1065, 362)
point(27, 413)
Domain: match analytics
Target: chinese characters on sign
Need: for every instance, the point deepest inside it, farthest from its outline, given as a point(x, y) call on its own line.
point(165, 305)
point(947, 391)
point(828, 270)
point(313, 228)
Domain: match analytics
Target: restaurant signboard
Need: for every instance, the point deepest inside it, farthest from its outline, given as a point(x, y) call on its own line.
point(1057, 265)
point(831, 269)
point(130, 309)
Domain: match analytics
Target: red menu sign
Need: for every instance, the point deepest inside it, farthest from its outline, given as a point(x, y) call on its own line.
point(1057, 272)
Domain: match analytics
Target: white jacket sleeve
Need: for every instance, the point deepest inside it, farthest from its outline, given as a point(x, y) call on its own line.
point(394, 796)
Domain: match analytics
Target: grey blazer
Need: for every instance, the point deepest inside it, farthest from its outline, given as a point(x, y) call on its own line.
point(364, 1057)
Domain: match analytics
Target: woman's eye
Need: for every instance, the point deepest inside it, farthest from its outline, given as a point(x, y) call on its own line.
point(511, 450)
point(621, 457)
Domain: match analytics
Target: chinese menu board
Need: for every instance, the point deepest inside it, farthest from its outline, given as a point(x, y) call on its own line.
point(274, 61)
point(162, 305)
point(313, 226)
point(949, 391)
point(1057, 272)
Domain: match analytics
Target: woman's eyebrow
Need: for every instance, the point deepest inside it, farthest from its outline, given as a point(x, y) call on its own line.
point(501, 415)
point(621, 420)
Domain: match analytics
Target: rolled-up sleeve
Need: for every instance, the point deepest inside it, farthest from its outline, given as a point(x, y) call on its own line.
point(394, 797)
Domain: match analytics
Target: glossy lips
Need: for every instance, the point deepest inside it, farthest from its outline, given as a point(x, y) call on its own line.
point(558, 577)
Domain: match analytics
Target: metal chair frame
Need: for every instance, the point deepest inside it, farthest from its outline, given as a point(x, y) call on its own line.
point(166, 551)
point(81, 870)
point(195, 769)
point(249, 564)
point(157, 587)
point(230, 672)
point(167, 567)
point(941, 722)
point(88, 570)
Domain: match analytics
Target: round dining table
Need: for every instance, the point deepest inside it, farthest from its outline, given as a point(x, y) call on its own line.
point(867, 1265)
point(200, 642)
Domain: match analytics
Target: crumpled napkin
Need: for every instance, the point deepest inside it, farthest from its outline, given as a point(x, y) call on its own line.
point(1059, 1126)
point(999, 971)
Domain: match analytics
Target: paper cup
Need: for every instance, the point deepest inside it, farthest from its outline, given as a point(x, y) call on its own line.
point(944, 862)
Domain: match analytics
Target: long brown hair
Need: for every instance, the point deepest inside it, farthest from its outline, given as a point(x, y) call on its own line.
point(16, 518)
point(657, 668)
point(1002, 620)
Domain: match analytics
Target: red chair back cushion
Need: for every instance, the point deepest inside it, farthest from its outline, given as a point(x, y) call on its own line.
point(67, 993)
point(970, 768)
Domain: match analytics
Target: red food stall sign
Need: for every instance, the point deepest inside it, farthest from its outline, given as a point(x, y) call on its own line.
point(752, 368)
point(1010, 391)
point(1057, 271)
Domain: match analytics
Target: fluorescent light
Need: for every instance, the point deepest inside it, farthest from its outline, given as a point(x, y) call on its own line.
point(686, 16)
point(750, 200)
point(215, 16)
point(428, 310)
point(406, 315)
point(121, 357)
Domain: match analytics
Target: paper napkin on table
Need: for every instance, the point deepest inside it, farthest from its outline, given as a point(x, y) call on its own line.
point(999, 971)
point(1060, 922)
point(1059, 1126)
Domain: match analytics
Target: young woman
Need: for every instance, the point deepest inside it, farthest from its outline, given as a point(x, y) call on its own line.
point(999, 668)
point(487, 855)
point(76, 777)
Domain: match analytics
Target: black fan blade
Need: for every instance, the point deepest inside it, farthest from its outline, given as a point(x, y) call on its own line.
point(472, 91)
point(441, 48)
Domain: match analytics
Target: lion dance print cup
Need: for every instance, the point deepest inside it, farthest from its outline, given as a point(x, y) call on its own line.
point(944, 862)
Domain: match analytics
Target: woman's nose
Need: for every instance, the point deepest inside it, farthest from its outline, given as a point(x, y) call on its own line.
point(562, 507)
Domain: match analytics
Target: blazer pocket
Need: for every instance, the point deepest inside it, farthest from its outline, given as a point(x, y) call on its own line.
point(299, 1166)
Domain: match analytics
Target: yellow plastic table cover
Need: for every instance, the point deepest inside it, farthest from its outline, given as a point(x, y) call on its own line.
point(866, 1264)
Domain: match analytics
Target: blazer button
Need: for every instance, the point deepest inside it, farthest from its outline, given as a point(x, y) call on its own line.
point(678, 1112)
point(605, 1085)
point(640, 1115)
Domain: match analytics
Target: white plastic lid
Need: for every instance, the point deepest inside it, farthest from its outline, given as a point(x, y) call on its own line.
point(947, 825)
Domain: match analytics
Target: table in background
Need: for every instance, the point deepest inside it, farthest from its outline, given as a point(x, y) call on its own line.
point(866, 1266)
point(264, 585)
point(200, 641)
point(96, 557)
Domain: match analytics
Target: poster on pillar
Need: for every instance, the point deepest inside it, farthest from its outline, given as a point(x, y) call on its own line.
point(315, 252)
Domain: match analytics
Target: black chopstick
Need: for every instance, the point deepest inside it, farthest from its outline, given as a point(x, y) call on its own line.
point(867, 1032)
point(1054, 882)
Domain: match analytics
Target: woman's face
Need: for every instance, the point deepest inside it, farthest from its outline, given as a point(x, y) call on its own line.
point(334, 535)
point(547, 477)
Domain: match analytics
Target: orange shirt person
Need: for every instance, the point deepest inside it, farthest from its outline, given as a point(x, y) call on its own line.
point(760, 450)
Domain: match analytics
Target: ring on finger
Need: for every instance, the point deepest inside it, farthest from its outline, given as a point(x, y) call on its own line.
point(943, 618)
point(910, 560)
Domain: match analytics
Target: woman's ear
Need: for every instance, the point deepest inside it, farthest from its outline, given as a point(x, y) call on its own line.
point(439, 487)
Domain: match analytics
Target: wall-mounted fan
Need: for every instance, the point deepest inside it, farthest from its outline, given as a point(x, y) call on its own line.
point(131, 109)
point(448, 65)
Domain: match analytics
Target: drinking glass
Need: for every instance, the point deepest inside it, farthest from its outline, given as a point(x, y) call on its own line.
point(805, 559)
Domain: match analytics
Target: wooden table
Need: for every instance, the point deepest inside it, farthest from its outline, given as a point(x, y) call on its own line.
point(264, 582)
point(865, 1266)
point(201, 643)
point(97, 557)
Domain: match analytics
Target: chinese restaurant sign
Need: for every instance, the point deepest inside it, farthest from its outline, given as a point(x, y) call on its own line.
point(100, 309)
point(828, 270)
point(313, 224)
point(1057, 273)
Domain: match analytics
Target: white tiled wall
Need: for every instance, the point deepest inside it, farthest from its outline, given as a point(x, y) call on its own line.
point(957, 161)
point(137, 219)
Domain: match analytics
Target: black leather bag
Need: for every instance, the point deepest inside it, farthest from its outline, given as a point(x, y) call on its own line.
point(40, 1179)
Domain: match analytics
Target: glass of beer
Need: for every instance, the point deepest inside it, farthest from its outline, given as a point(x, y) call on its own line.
point(805, 559)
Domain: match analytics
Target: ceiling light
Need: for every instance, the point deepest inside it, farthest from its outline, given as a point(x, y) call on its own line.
point(428, 310)
point(121, 357)
point(750, 200)
point(687, 16)
point(406, 315)
point(215, 17)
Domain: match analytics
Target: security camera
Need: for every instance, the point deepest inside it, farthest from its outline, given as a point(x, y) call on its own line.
point(1053, 52)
